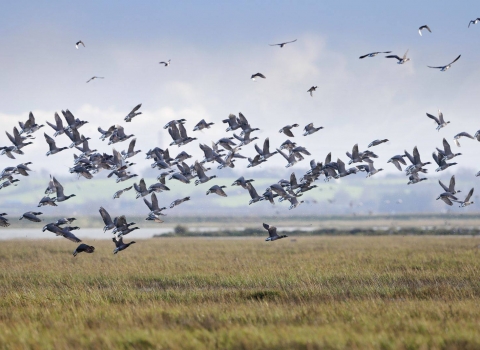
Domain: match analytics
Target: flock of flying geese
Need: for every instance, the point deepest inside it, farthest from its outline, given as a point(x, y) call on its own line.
point(225, 152)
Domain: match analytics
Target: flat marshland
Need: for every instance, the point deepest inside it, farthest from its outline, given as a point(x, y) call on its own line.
point(384, 292)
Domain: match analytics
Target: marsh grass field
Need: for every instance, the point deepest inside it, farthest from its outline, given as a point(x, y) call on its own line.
point(385, 292)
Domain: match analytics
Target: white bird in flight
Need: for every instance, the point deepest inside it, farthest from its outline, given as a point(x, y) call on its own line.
point(373, 54)
point(95, 77)
point(423, 27)
point(78, 43)
point(258, 75)
point(475, 21)
point(444, 68)
point(283, 44)
point(400, 60)
point(165, 63)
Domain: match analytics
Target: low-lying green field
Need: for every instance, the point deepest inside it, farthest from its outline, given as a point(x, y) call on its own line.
point(199, 293)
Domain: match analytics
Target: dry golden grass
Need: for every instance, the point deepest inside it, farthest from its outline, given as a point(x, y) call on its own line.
point(315, 293)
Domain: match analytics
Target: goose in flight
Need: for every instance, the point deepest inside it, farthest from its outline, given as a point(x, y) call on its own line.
point(441, 123)
point(178, 202)
point(64, 232)
point(17, 140)
point(415, 178)
point(31, 216)
point(400, 60)
point(377, 142)
point(265, 152)
point(59, 188)
point(83, 248)
point(94, 77)
point(447, 153)
point(373, 54)
point(73, 123)
point(466, 202)
point(77, 44)
point(119, 245)
point(417, 164)
point(106, 219)
point(202, 124)
point(141, 189)
point(120, 192)
point(253, 194)
point(232, 121)
point(446, 67)
point(158, 187)
point(52, 145)
point(257, 75)
point(166, 64)
point(131, 150)
point(396, 160)
point(311, 90)
point(310, 129)
point(272, 233)
point(179, 177)
point(451, 186)
point(255, 161)
point(122, 227)
point(47, 201)
point(202, 178)
point(422, 28)
point(475, 21)
point(442, 163)
point(283, 44)
point(10, 181)
point(459, 135)
point(242, 182)
point(64, 221)
point(211, 153)
point(119, 135)
point(153, 206)
point(29, 127)
point(217, 190)
point(287, 130)
point(133, 113)
point(447, 198)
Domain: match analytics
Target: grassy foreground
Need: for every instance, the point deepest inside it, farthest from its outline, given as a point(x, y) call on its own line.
point(176, 293)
